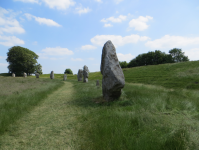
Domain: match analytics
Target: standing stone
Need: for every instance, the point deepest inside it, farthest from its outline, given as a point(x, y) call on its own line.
point(13, 75)
point(37, 75)
point(97, 83)
point(24, 75)
point(113, 78)
point(85, 73)
point(65, 77)
point(52, 75)
point(80, 74)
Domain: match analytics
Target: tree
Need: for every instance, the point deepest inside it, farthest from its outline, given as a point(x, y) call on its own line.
point(38, 69)
point(178, 55)
point(123, 64)
point(68, 71)
point(21, 60)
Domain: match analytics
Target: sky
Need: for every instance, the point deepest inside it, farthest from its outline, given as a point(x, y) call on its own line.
point(71, 33)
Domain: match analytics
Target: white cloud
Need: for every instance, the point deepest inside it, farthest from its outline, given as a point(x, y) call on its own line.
point(125, 57)
point(100, 1)
point(113, 19)
point(3, 64)
point(10, 41)
point(169, 42)
point(193, 54)
point(8, 24)
point(88, 47)
point(140, 23)
point(59, 4)
point(56, 51)
point(76, 59)
point(108, 25)
point(45, 21)
point(81, 10)
point(29, 1)
point(117, 39)
point(118, 1)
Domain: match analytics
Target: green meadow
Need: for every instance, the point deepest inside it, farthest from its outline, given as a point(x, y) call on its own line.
point(158, 110)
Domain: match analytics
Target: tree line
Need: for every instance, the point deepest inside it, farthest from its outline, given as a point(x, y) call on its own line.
point(156, 57)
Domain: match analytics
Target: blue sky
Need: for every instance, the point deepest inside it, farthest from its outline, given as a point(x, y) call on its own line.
point(71, 33)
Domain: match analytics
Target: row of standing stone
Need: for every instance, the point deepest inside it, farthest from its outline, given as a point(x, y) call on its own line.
point(25, 75)
point(83, 73)
point(113, 78)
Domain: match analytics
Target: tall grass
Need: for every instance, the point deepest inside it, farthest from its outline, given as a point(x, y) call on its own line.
point(19, 95)
point(144, 118)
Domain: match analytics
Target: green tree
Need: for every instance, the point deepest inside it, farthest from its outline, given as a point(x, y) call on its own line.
point(21, 60)
point(123, 64)
point(38, 69)
point(68, 71)
point(178, 55)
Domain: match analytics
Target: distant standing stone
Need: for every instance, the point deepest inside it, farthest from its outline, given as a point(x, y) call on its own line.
point(85, 73)
point(24, 75)
point(52, 75)
point(37, 75)
point(113, 78)
point(13, 75)
point(97, 83)
point(65, 77)
point(80, 74)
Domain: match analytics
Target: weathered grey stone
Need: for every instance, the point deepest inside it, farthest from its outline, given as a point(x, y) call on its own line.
point(113, 78)
point(13, 75)
point(52, 75)
point(97, 83)
point(85, 73)
point(79, 75)
point(65, 77)
point(37, 75)
point(24, 75)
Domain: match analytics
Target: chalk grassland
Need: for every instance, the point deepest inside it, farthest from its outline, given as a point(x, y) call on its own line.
point(19, 95)
point(50, 125)
point(146, 117)
point(175, 75)
point(158, 109)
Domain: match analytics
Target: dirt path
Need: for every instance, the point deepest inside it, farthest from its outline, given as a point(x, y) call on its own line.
point(48, 126)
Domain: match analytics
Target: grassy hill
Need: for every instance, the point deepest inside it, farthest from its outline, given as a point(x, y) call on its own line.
point(174, 75)
point(158, 109)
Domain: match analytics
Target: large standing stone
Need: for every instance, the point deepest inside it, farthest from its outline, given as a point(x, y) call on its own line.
point(13, 75)
point(80, 74)
point(52, 75)
point(24, 75)
point(37, 75)
point(85, 73)
point(65, 77)
point(113, 78)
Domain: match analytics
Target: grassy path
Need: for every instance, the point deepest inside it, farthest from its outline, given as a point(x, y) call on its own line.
point(48, 126)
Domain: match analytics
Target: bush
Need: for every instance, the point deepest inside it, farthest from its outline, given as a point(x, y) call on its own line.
point(68, 71)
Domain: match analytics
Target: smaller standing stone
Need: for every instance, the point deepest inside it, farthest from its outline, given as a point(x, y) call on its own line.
point(85, 73)
point(65, 77)
point(37, 75)
point(80, 74)
point(24, 75)
point(13, 75)
point(52, 75)
point(97, 83)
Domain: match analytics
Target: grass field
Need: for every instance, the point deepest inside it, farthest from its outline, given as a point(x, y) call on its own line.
point(158, 110)
point(20, 95)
